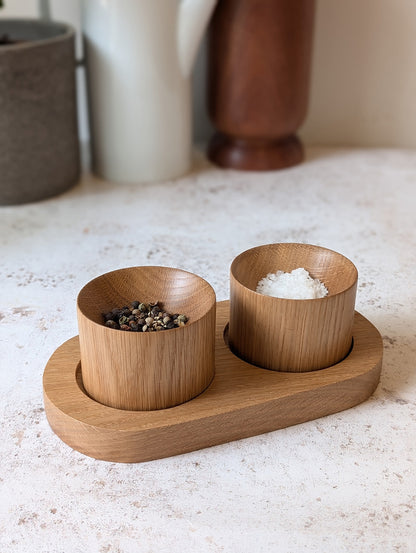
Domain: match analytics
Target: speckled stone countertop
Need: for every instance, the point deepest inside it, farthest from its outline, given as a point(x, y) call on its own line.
point(343, 483)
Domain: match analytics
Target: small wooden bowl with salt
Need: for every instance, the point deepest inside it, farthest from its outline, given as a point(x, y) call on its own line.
point(288, 333)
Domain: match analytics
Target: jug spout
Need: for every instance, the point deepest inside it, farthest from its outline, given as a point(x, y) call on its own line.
point(193, 18)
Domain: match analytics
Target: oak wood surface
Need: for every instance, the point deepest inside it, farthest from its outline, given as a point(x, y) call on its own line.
point(259, 59)
point(242, 401)
point(287, 334)
point(147, 370)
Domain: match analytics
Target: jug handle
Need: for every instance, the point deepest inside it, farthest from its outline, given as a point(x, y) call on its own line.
point(193, 17)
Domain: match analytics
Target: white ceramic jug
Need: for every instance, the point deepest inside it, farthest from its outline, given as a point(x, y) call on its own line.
point(139, 56)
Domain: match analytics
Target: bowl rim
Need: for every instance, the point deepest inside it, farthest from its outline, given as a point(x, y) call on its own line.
point(189, 323)
point(274, 298)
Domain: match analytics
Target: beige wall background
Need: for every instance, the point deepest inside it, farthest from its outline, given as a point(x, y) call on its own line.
point(363, 88)
point(363, 85)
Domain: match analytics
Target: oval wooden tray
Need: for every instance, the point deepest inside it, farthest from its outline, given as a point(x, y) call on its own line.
point(242, 401)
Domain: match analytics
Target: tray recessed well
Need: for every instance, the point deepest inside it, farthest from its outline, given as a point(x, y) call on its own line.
point(242, 401)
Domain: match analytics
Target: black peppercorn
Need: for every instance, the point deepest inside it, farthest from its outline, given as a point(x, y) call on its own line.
point(143, 317)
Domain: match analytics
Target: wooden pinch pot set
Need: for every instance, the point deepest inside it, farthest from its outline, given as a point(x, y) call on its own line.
point(236, 369)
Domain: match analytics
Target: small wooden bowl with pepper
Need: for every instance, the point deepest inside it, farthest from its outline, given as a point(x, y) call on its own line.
point(164, 355)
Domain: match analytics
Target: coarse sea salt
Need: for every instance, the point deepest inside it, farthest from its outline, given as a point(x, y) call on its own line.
point(297, 285)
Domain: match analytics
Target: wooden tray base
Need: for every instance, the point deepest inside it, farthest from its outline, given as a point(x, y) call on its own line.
point(242, 401)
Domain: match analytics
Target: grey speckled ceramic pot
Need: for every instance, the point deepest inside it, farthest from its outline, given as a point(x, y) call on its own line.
point(39, 150)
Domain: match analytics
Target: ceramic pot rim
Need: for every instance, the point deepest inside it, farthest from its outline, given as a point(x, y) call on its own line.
point(64, 30)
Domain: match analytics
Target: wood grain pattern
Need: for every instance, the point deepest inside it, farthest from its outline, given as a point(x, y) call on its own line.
point(285, 334)
point(147, 370)
point(259, 59)
point(242, 401)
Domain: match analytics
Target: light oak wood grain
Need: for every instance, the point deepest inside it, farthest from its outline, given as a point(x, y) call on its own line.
point(242, 401)
point(286, 334)
point(147, 370)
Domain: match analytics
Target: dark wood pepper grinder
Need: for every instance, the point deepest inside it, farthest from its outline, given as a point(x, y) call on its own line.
point(259, 58)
